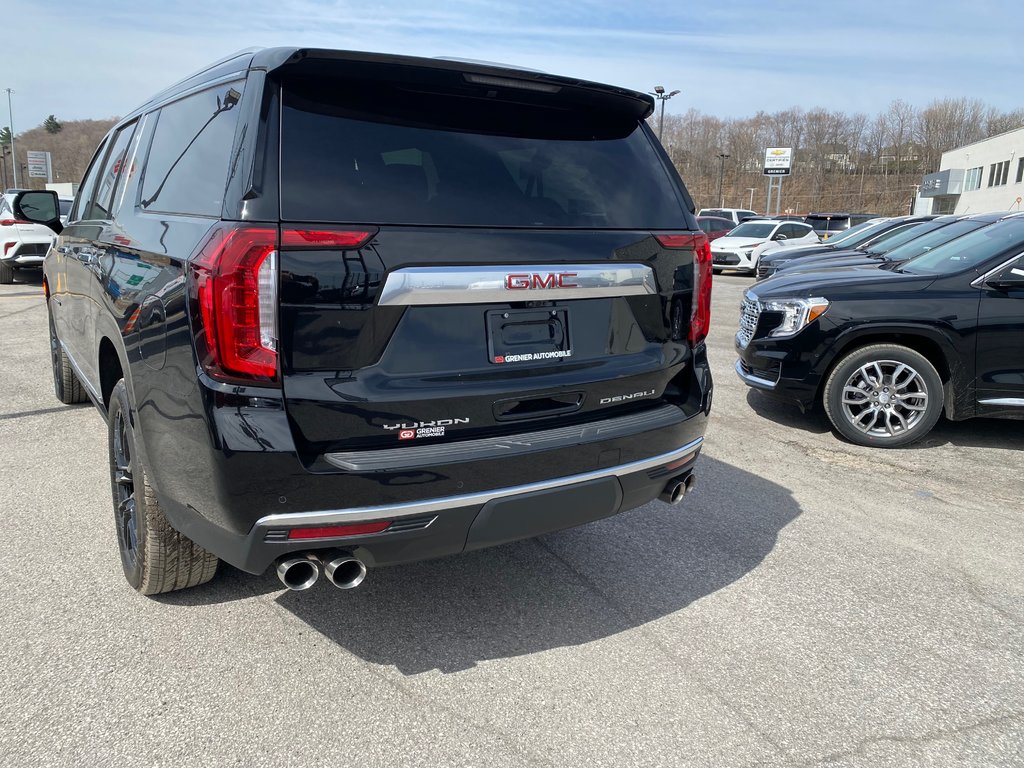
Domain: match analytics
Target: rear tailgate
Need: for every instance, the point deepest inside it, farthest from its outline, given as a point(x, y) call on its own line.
point(507, 277)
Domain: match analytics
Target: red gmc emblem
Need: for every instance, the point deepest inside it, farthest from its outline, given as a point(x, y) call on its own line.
point(525, 281)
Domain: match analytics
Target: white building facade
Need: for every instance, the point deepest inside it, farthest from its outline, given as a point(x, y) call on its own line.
point(978, 178)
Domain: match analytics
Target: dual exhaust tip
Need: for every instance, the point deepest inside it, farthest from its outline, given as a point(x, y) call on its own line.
point(300, 572)
point(676, 489)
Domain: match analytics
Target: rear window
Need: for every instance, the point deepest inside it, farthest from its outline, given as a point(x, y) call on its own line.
point(355, 153)
point(834, 224)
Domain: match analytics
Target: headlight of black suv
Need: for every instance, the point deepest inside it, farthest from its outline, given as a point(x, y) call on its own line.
point(796, 314)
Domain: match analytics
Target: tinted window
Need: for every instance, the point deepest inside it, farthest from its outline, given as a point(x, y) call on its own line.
point(900, 235)
point(971, 250)
point(754, 229)
point(187, 167)
point(101, 204)
point(937, 237)
point(65, 207)
point(854, 236)
point(88, 184)
point(834, 224)
point(371, 155)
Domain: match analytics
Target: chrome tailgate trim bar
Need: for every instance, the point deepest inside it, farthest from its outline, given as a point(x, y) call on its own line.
point(419, 286)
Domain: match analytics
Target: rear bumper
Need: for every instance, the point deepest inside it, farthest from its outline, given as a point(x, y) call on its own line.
point(445, 526)
point(24, 254)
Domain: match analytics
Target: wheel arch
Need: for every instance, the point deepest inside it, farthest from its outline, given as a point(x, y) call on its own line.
point(928, 342)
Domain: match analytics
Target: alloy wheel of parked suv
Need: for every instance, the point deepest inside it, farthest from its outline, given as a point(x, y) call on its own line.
point(883, 395)
point(66, 386)
point(155, 557)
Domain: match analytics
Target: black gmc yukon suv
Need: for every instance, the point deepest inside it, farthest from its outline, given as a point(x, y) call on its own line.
point(889, 347)
point(344, 310)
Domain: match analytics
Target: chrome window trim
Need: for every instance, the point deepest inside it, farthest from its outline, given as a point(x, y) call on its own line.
point(980, 282)
point(429, 506)
point(420, 286)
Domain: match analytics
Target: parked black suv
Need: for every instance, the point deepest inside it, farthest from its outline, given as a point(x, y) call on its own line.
point(888, 348)
point(868, 235)
point(345, 310)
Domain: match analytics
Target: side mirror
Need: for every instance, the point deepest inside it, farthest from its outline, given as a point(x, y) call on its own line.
point(779, 238)
point(39, 207)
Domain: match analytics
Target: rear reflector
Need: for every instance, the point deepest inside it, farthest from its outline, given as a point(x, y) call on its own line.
point(337, 531)
point(323, 238)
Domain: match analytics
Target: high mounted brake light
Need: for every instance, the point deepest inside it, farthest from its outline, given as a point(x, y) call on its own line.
point(700, 313)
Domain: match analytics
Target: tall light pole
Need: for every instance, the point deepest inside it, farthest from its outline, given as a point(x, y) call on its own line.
point(659, 93)
point(10, 114)
point(722, 157)
point(751, 190)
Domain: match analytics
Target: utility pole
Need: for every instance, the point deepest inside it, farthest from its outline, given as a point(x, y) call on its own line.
point(722, 157)
point(10, 114)
point(659, 93)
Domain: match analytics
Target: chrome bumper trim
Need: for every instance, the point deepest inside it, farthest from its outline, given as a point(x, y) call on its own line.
point(429, 506)
point(751, 380)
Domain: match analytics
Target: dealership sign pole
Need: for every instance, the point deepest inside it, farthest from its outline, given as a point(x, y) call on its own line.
point(778, 162)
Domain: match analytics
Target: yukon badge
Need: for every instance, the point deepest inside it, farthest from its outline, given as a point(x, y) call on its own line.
point(532, 281)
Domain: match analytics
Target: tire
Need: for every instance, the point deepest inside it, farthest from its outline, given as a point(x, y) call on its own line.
point(883, 395)
point(155, 557)
point(6, 274)
point(66, 386)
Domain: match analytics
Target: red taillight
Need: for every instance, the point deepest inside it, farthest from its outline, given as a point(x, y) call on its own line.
point(235, 277)
point(700, 313)
point(12, 222)
point(8, 246)
point(336, 531)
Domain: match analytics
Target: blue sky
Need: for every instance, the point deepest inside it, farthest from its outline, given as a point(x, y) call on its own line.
point(99, 58)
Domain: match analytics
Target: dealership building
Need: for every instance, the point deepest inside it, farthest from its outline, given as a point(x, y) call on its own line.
point(984, 176)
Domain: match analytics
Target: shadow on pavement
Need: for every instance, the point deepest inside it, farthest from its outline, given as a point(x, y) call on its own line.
point(787, 414)
point(972, 433)
point(565, 589)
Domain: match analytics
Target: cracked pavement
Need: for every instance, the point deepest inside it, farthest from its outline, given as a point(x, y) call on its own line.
point(812, 603)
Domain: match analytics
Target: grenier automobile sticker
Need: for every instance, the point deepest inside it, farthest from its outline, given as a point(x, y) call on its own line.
point(528, 356)
point(417, 429)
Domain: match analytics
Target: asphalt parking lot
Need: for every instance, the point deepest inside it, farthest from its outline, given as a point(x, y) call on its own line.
point(811, 603)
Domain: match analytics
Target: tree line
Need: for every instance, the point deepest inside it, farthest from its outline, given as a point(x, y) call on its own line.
point(841, 161)
point(71, 145)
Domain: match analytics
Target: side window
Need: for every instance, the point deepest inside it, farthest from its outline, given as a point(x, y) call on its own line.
point(187, 167)
point(88, 184)
point(99, 207)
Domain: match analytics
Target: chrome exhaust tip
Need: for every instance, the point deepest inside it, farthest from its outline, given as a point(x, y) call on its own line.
point(299, 572)
point(676, 489)
point(345, 570)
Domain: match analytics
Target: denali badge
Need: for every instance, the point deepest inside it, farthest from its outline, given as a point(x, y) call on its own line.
point(523, 282)
point(623, 398)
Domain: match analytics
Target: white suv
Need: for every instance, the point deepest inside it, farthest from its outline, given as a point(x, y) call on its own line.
point(739, 249)
point(22, 243)
point(735, 215)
